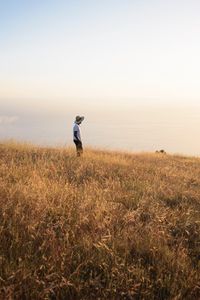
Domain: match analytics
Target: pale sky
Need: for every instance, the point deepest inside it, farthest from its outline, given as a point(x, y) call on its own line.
point(106, 50)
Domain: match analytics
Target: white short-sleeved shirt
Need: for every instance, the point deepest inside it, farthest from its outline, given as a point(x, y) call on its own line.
point(76, 127)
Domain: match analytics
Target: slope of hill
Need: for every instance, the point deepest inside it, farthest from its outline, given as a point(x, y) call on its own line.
point(108, 225)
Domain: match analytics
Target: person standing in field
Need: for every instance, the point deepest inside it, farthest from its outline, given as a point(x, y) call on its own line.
point(77, 135)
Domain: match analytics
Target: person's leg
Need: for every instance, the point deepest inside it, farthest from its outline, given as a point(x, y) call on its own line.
point(76, 143)
point(79, 147)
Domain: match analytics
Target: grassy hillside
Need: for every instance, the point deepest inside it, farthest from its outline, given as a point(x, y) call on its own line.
point(107, 225)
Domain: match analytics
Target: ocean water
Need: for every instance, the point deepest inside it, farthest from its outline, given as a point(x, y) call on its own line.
point(176, 129)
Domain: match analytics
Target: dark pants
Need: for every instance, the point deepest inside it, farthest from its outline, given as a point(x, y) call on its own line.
point(79, 147)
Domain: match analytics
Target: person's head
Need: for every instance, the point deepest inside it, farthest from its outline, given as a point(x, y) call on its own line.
point(79, 119)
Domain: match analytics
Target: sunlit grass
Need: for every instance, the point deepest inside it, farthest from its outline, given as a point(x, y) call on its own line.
point(108, 225)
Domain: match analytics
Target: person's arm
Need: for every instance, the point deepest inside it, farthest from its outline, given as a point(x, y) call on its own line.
point(76, 135)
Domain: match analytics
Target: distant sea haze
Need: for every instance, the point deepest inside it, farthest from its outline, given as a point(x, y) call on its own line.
point(176, 130)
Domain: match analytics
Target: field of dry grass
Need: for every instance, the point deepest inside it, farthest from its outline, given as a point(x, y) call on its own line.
point(107, 225)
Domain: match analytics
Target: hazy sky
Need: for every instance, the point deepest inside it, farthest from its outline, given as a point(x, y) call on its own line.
point(131, 67)
point(106, 50)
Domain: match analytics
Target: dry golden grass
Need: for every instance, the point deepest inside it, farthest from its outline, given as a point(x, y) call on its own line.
point(107, 225)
